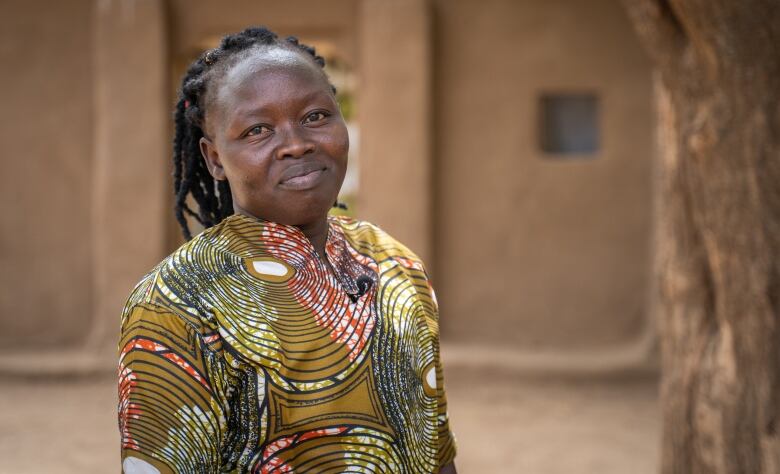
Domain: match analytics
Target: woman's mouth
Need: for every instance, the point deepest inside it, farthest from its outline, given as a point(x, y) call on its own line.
point(302, 176)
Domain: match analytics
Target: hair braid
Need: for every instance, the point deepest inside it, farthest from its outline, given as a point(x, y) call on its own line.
point(191, 177)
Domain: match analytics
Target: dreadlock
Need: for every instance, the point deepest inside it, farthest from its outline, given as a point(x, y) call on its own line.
point(190, 174)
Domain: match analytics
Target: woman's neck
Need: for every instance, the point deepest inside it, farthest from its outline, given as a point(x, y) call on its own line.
point(317, 233)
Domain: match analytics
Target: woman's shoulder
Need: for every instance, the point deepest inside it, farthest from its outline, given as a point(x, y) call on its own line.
point(366, 236)
point(172, 284)
point(390, 255)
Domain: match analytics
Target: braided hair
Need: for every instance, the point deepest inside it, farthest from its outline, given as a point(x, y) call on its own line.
point(190, 174)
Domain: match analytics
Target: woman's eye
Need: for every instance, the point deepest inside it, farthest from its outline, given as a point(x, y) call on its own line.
point(257, 130)
point(314, 117)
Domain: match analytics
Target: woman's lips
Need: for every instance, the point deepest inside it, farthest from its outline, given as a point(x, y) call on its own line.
point(302, 176)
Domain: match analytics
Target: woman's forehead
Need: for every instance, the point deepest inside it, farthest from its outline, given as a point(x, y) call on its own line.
point(273, 64)
point(266, 58)
point(271, 59)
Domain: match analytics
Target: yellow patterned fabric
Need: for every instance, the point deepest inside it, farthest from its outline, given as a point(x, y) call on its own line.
point(244, 351)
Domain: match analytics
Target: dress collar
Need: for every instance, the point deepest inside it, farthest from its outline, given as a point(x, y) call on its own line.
point(251, 237)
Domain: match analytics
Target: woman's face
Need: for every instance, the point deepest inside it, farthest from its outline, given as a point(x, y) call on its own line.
point(275, 132)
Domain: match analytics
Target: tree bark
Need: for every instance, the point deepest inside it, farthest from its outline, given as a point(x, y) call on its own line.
point(718, 229)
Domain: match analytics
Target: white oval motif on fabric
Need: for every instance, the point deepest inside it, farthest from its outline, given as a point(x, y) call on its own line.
point(430, 377)
point(269, 268)
point(133, 465)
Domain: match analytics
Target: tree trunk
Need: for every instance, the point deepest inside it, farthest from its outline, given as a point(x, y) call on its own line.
point(718, 245)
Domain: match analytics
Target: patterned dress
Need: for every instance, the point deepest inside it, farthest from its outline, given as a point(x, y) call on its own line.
point(243, 352)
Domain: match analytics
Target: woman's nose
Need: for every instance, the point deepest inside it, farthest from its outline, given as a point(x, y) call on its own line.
point(294, 143)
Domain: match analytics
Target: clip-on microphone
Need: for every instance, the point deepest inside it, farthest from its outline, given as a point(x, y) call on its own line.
point(363, 284)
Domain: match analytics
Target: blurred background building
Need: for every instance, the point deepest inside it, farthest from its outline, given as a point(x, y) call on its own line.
point(508, 142)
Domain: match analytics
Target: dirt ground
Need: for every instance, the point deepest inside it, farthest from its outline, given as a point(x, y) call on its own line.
point(504, 423)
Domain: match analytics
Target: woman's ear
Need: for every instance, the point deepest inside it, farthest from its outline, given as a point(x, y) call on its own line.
point(211, 155)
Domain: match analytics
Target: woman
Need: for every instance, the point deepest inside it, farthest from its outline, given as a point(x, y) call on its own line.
point(279, 339)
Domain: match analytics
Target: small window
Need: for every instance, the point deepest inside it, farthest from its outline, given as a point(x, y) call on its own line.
point(569, 124)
